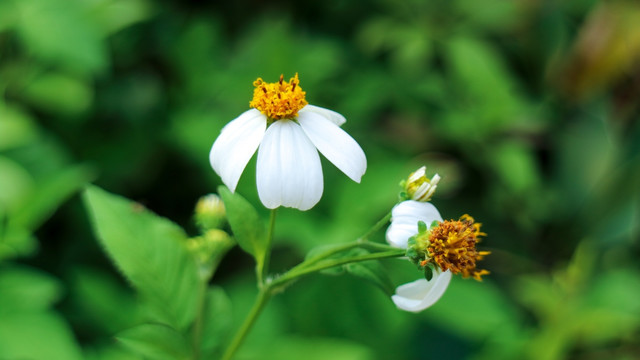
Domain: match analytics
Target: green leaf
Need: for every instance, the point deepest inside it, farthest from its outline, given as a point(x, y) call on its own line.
point(374, 272)
point(40, 335)
point(248, 228)
point(48, 195)
point(59, 93)
point(428, 273)
point(149, 250)
point(295, 347)
point(60, 31)
point(371, 270)
point(16, 128)
point(155, 341)
point(22, 288)
point(217, 321)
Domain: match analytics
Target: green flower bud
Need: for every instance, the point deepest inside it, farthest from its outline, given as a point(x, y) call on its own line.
point(210, 212)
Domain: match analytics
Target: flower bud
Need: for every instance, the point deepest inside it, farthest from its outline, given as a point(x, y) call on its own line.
point(207, 247)
point(420, 188)
point(210, 212)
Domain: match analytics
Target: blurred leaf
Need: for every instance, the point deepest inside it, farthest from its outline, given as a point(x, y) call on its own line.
point(36, 336)
point(248, 228)
point(217, 320)
point(59, 31)
point(491, 14)
point(115, 15)
point(99, 301)
point(16, 128)
point(16, 242)
point(59, 93)
point(477, 66)
point(150, 252)
point(483, 307)
point(110, 351)
point(516, 165)
point(155, 341)
point(15, 185)
point(48, 196)
point(22, 288)
point(292, 347)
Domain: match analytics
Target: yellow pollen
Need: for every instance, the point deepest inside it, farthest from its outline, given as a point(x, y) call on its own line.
point(279, 100)
point(452, 246)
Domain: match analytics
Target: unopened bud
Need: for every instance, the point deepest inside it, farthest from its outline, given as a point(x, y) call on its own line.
point(210, 212)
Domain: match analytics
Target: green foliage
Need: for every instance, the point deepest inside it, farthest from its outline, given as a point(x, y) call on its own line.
point(155, 341)
point(248, 228)
point(150, 252)
point(526, 110)
point(217, 323)
point(37, 335)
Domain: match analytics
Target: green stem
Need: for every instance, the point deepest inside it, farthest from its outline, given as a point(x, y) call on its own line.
point(317, 263)
point(298, 272)
point(381, 223)
point(261, 301)
point(264, 268)
point(362, 241)
point(197, 326)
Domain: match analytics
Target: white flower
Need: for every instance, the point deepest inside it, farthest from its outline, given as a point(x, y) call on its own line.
point(420, 294)
point(404, 221)
point(287, 139)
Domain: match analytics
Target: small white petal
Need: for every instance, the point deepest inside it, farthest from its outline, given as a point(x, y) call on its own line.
point(289, 171)
point(335, 144)
point(333, 116)
point(404, 221)
point(421, 294)
point(235, 146)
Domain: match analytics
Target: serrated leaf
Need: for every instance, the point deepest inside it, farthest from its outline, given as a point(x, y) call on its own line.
point(248, 228)
point(155, 341)
point(149, 251)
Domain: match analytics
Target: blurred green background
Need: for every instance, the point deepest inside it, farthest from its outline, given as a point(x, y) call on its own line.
point(528, 109)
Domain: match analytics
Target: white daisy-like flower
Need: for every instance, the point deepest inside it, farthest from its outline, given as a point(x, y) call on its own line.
point(288, 133)
point(420, 294)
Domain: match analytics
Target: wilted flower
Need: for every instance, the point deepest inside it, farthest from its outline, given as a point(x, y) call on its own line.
point(439, 248)
point(420, 294)
point(288, 132)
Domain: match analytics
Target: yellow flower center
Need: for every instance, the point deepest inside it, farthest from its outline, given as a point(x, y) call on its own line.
point(452, 246)
point(280, 100)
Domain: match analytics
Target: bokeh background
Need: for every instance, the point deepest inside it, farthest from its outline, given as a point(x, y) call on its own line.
point(528, 109)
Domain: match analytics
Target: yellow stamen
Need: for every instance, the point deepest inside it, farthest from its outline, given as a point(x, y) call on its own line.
point(452, 246)
point(279, 100)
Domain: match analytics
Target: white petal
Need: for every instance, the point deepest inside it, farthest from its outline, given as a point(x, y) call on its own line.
point(421, 294)
point(235, 146)
point(335, 144)
point(333, 116)
point(289, 171)
point(404, 221)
